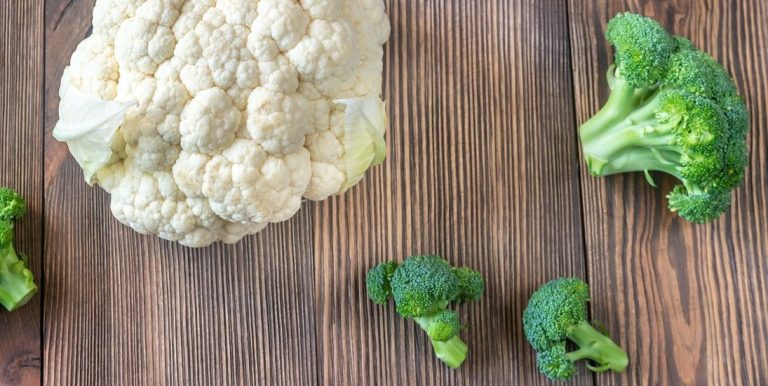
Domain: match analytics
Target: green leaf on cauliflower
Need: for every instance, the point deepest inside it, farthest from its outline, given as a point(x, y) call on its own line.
point(365, 123)
point(88, 125)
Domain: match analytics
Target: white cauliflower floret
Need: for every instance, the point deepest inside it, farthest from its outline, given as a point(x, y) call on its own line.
point(282, 20)
point(146, 40)
point(151, 203)
point(189, 171)
point(108, 15)
point(276, 72)
point(94, 68)
point(245, 184)
point(326, 56)
point(323, 9)
point(326, 181)
point(240, 12)
point(278, 122)
point(207, 120)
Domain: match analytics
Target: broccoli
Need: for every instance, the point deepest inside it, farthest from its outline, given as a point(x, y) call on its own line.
point(672, 109)
point(423, 287)
point(558, 311)
point(16, 282)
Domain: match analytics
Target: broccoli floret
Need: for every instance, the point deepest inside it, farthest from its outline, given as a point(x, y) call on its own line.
point(377, 282)
point(471, 284)
point(672, 109)
point(17, 284)
point(12, 205)
point(423, 287)
point(557, 312)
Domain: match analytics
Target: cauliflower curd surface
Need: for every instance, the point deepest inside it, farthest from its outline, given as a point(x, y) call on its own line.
point(233, 111)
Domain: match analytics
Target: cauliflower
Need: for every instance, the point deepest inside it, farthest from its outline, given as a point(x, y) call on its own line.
point(207, 120)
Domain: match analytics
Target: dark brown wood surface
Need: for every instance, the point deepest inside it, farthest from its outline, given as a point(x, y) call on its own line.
point(688, 302)
point(21, 168)
point(485, 97)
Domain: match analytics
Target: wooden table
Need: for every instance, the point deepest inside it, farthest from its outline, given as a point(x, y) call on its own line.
point(485, 97)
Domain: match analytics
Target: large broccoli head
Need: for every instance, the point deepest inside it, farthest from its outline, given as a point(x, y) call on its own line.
point(672, 109)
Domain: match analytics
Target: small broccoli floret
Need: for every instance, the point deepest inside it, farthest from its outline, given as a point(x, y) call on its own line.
point(17, 284)
point(423, 285)
point(554, 363)
point(442, 326)
point(422, 288)
point(643, 48)
point(471, 284)
point(378, 282)
point(12, 205)
point(557, 312)
point(672, 109)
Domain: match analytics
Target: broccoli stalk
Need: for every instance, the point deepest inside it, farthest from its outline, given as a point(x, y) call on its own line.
point(556, 313)
point(442, 329)
point(17, 284)
point(625, 135)
point(423, 287)
point(595, 346)
point(672, 109)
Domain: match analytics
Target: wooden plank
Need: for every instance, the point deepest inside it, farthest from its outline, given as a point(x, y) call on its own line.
point(482, 168)
point(688, 302)
point(21, 60)
point(122, 308)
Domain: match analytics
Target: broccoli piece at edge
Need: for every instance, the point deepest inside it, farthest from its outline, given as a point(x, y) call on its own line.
point(17, 284)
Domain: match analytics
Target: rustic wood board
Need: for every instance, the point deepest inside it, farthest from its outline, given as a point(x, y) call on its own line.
point(689, 302)
point(21, 168)
point(484, 97)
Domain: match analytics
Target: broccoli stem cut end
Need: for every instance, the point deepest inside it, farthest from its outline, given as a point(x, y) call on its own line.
point(17, 284)
point(596, 347)
point(452, 352)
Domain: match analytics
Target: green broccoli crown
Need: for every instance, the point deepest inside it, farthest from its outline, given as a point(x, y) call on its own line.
point(682, 43)
point(700, 138)
point(12, 205)
point(423, 285)
point(643, 48)
point(378, 282)
point(698, 207)
point(444, 325)
point(554, 363)
point(698, 73)
point(672, 109)
point(557, 312)
point(553, 309)
point(471, 284)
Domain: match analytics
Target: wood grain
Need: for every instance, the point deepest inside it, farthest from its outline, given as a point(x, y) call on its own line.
point(484, 97)
point(479, 113)
point(21, 130)
point(689, 303)
point(127, 309)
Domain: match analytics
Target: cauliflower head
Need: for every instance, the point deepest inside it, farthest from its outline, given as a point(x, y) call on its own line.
point(207, 120)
